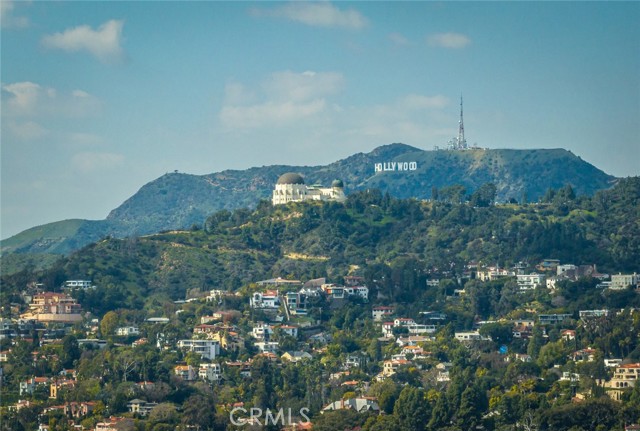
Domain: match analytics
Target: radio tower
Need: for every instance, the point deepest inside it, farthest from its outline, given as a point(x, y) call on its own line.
point(462, 142)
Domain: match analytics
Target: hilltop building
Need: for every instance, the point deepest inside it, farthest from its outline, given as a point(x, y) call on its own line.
point(290, 187)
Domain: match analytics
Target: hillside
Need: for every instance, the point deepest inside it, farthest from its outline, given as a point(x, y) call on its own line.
point(317, 239)
point(178, 201)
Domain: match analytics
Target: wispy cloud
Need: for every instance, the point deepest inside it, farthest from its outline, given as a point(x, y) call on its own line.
point(7, 17)
point(283, 98)
point(26, 130)
point(29, 99)
point(398, 39)
point(316, 14)
point(448, 40)
point(94, 161)
point(105, 43)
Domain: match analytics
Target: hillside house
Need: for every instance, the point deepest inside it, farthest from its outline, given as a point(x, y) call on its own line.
point(208, 349)
point(210, 372)
point(624, 377)
point(185, 372)
point(268, 299)
point(381, 312)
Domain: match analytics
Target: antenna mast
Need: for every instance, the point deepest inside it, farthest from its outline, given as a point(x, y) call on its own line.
point(462, 142)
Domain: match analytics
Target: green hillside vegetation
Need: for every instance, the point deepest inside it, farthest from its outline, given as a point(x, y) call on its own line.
point(370, 230)
point(178, 200)
point(397, 245)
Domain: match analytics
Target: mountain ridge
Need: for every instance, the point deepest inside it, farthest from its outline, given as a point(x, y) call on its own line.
point(181, 200)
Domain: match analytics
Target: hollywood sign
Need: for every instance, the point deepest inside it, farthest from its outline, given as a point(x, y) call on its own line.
point(396, 166)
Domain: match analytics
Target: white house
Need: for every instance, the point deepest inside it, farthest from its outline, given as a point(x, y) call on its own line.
point(530, 281)
point(267, 346)
point(470, 336)
point(622, 281)
point(210, 372)
point(77, 284)
point(126, 331)
point(266, 299)
point(208, 349)
point(262, 331)
point(381, 312)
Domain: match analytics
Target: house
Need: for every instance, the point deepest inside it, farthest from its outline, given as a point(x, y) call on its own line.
point(586, 314)
point(296, 356)
point(522, 357)
point(352, 361)
point(279, 281)
point(390, 367)
point(292, 331)
point(4, 355)
point(208, 349)
point(381, 312)
point(77, 284)
point(267, 346)
point(140, 407)
point(416, 352)
point(360, 405)
point(29, 386)
point(411, 340)
point(612, 363)
point(470, 336)
point(418, 329)
point(387, 329)
point(569, 377)
point(584, 355)
point(403, 322)
point(79, 409)
point(568, 334)
point(624, 377)
point(54, 307)
point(622, 281)
point(185, 372)
point(114, 423)
point(127, 331)
point(262, 331)
point(529, 281)
point(334, 291)
point(268, 299)
point(494, 273)
point(60, 384)
point(443, 369)
point(296, 303)
point(210, 372)
point(550, 319)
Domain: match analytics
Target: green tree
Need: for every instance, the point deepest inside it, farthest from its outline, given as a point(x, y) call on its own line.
point(109, 324)
point(412, 409)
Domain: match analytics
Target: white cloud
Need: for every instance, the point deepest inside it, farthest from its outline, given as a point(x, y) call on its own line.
point(285, 97)
point(269, 114)
point(417, 101)
point(27, 130)
point(307, 85)
point(28, 99)
point(316, 14)
point(398, 39)
point(448, 40)
point(24, 96)
point(8, 19)
point(103, 43)
point(93, 161)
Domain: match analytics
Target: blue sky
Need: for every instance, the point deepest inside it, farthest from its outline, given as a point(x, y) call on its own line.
point(99, 98)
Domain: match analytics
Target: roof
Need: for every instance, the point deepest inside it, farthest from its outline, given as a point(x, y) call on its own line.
point(290, 178)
